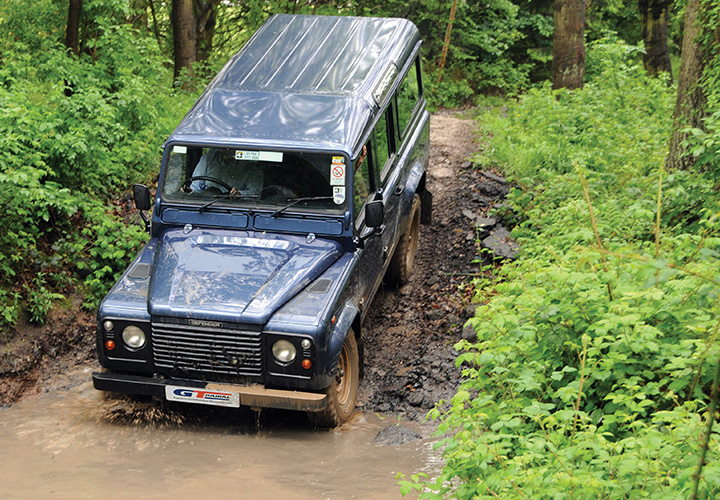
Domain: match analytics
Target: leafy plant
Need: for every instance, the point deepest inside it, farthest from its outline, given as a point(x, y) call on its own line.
point(596, 348)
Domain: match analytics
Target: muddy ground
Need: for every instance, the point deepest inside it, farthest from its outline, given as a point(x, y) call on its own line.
point(408, 335)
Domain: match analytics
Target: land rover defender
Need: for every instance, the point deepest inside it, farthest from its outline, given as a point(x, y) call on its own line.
point(290, 190)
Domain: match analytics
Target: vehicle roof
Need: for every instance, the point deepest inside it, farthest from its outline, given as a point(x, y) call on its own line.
point(303, 82)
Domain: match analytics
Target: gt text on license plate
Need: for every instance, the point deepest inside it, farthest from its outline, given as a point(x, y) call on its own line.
point(201, 396)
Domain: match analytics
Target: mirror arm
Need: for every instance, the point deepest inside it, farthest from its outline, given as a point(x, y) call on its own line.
point(145, 220)
point(360, 240)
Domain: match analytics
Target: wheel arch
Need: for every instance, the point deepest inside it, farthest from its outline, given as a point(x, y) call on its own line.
point(348, 320)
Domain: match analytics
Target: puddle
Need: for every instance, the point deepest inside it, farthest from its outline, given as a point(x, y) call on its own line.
point(60, 446)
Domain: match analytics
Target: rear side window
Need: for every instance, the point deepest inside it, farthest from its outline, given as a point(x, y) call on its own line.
point(362, 186)
point(407, 97)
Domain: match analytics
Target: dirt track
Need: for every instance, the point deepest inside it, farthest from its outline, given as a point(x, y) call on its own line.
point(408, 335)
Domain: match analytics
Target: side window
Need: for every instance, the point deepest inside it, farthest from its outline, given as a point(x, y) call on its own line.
point(407, 97)
point(384, 142)
point(361, 181)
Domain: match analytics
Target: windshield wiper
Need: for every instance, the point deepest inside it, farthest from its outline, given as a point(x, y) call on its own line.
point(226, 196)
point(294, 201)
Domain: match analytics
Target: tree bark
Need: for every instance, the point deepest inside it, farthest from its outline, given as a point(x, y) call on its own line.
point(655, 35)
point(691, 101)
point(206, 19)
point(72, 32)
point(184, 37)
point(568, 64)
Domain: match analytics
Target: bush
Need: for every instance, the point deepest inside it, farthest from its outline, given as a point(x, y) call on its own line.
point(74, 132)
point(596, 351)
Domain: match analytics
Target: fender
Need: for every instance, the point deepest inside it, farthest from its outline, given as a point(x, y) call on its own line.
point(342, 326)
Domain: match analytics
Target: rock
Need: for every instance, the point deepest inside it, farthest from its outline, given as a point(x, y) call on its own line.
point(482, 200)
point(466, 164)
point(396, 435)
point(493, 190)
point(469, 310)
point(468, 213)
point(469, 332)
point(435, 314)
point(478, 221)
point(501, 244)
point(415, 398)
point(485, 222)
point(497, 178)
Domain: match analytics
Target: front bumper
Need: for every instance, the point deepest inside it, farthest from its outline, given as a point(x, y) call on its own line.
point(252, 395)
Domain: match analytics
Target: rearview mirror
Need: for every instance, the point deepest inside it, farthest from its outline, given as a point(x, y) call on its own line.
point(374, 213)
point(141, 194)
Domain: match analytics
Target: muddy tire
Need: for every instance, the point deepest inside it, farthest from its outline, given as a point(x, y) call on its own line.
point(398, 272)
point(343, 392)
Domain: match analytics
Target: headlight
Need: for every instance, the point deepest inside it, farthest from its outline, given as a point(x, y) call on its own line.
point(284, 351)
point(133, 337)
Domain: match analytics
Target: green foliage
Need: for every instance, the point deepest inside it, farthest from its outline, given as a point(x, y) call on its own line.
point(74, 132)
point(596, 349)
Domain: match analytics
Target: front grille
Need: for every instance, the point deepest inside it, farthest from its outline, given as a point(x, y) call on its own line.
point(196, 350)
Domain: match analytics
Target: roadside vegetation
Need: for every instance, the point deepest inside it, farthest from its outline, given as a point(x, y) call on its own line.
point(593, 370)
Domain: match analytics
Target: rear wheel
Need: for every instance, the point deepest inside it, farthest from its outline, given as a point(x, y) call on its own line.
point(398, 272)
point(342, 393)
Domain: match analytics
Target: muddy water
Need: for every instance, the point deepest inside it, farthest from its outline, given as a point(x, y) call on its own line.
point(61, 446)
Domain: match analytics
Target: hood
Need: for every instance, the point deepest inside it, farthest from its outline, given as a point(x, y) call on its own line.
point(233, 276)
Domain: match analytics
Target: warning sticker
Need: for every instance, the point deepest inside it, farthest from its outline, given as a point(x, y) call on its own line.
point(337, 171)
point(339, 195)
point(337, 175)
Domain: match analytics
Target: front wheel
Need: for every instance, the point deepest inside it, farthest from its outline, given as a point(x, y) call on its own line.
point(398, 272)
point(343, 392)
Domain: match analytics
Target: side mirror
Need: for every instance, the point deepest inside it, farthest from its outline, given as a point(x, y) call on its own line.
point(374, 213)
point(141, 194)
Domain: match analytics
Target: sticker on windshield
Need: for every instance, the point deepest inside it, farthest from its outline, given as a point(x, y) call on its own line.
point(259, 156)
point(339, 195)
point(337, 171)
point(181, 150)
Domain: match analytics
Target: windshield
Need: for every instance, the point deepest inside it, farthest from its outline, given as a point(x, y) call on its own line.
point(234, 177)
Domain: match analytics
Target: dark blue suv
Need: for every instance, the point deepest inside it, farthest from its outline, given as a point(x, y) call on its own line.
point(294, 185)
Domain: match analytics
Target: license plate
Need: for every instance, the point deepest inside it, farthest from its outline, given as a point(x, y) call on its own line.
point(202, 396)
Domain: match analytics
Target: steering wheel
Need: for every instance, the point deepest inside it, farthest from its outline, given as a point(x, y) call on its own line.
point(282, 193)
point(189, 180)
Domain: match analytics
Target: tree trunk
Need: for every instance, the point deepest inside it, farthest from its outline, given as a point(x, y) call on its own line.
point(654, 32)
point(184, 37)
point(568, 68)
point(206, 16)
point(568, 65)
point(72, 32)
point(691, 100)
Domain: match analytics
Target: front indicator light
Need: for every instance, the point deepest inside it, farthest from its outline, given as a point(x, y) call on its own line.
point(284, 351)
point(307, 364)
point(110, 345)
point(133, 337)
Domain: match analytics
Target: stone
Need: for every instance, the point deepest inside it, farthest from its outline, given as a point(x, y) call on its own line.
point(469, 333)
point(395, 435)
point(469, 310)
point(501, 244)
point(493, 177)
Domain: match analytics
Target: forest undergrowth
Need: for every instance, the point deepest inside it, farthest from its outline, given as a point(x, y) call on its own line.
point(596, 349)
